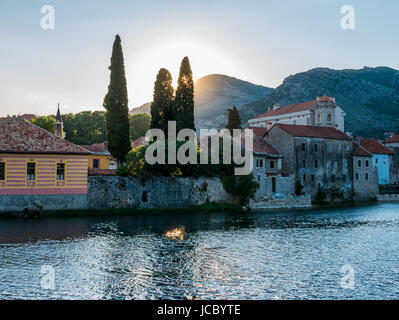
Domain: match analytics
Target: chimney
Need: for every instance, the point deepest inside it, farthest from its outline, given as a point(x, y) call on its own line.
point(276, 107)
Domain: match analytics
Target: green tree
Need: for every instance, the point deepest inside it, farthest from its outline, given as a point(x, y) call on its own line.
point(184, 101)
point(45, 122)
point(116, 104)
point(139, 124)
point(161, 107)
point(233, 119)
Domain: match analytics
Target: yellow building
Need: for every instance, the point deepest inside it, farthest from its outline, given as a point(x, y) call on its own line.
point(36, 162)
point(99, 157)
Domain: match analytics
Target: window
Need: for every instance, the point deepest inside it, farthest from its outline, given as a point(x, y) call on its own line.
point(258, 178)
point(367, 163)
point(357, 176)
point(348, 147)
point(271, 164)
point(376, 160)
point(316, 147)
point(329, 147)
point(339, 148)
point(304, 179)
point(257, 163)
point(316, 163)
point(359, 163)
point(261, 163)
point(304, 163)
point(312, 177)
point(96, 163)
point(31, 171)
point(2, 171)
point(366, 176)
point(319, 117)
point(345, 163)
point(329, 118)
point(303, 146)
point(60, 171)
point(274, 187)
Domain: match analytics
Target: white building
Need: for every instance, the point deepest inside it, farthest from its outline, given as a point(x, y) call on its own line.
point(320, 112)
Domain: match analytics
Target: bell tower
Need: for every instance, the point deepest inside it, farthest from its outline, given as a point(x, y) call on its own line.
point(59, 125)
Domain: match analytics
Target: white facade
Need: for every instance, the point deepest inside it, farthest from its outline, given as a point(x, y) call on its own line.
point(321, 112)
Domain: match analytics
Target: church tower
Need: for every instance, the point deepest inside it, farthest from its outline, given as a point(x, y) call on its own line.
point(59, 125)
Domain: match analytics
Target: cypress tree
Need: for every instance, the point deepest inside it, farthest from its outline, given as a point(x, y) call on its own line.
point(184, 101)
point(233, 119)
point(116, 104)
point(162, 105)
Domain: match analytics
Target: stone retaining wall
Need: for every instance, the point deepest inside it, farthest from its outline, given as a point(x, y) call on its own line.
point(388, 197)
point(280, 201)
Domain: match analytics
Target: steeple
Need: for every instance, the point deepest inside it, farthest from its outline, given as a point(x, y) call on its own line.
point(59, 125)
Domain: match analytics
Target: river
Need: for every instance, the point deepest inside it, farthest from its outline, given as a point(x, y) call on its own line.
point(296, 254)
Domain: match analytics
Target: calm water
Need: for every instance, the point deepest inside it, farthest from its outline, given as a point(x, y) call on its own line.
point(284, 255)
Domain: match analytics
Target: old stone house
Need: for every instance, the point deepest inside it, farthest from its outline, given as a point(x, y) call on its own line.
point(316, 155)
point(320, 112)
point(392, 143)
point(365, 178)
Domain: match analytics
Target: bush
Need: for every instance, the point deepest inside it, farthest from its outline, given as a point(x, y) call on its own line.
point(244, 187)
point(320, 197)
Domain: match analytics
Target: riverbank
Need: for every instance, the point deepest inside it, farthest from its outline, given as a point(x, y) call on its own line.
point(211, 207)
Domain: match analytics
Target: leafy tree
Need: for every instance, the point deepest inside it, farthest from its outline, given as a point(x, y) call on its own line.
point(320, 197)
point(243, 187)
point(161, 107)
point(184, 101)
point(85, 128)
point(139, 124)
point(233, 119)
point(45, 122)
point(116, 104)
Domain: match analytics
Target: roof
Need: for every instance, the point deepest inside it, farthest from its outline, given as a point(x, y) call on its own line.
point(292, 108)
point(375, 147)
point(101, 172)
point(359, 151)
point(392, 139)
point(18, 136)
point(139, 142)
point(258, 131)
point(261, 146)
point(313, 131)
point(26, 116)
point(98, 149)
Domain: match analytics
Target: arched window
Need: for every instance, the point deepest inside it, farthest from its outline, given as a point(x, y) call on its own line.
point(319, 117)
point(329, 117)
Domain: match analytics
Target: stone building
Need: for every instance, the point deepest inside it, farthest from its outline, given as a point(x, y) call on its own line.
point(317, 156)
point(365, 178)
point(393, 144)
point(382, 157)
point(320, 112)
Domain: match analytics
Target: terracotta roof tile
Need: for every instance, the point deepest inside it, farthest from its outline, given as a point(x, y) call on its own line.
point(298, 107)
point(17, 136)
point(98, 148)
point(359, 151)
point(375, 147)
point(258, 131)
point(313, 131)
point(261, 146)
point(392, 139)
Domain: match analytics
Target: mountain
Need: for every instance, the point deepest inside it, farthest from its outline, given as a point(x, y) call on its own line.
point(216, 93)
point(369, 96)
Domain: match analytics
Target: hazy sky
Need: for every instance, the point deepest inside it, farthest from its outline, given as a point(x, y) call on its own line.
point(259, 41)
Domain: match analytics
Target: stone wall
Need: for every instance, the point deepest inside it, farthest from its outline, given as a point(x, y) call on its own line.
point(278, 201)
point(388, 197)
point(284, 185)
point(119, 192)
point(19, 203)
point(364, 187)
point(394, 166)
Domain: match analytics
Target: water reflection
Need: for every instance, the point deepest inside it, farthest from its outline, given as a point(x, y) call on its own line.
point(292, 254)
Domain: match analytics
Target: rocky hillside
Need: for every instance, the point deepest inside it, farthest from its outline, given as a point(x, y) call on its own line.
point(369, 96)
point(216, 93)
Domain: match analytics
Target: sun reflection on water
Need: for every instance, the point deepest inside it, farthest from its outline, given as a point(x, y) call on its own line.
point(175, 234)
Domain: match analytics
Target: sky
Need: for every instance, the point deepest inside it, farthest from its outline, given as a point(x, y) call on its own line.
point(260, 41)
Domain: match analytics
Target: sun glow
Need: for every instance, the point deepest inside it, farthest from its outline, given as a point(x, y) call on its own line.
point(143, 66)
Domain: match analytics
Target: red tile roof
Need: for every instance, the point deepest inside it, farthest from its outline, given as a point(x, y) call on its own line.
point(18, 136)
point(101, 172)
point(375, 147)
point(258, 131)
point(313, 131)
point(359, 151)
point(392, 139)
point(26, 116)
point(261, 146)
point(139, 142)
point(98, 148)
point(298, 107)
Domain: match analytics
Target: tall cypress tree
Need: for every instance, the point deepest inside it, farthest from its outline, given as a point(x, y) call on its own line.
point(162, 104)
point(116, 104)
point(233, 119)
point(184, 101)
